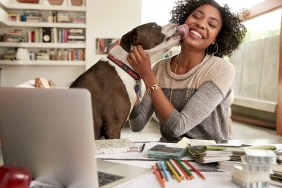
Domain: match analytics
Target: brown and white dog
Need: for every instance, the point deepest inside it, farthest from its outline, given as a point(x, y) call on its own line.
point(111, 81)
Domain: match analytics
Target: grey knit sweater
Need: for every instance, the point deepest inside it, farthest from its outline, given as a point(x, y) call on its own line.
point(201, 100)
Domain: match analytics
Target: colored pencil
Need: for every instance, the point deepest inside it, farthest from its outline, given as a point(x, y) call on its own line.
point(176, 168)
point(173, 171)
point(168, 170)
point(180, 166)
point(160, 171)
point(194, 169)
point(164, 170)
point(158, 177)
point(186, 170)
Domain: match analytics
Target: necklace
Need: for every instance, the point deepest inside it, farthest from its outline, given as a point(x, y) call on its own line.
point(193, 78)
point(170, 95)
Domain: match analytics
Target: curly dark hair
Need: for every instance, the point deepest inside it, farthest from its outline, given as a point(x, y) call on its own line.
point(231, 34)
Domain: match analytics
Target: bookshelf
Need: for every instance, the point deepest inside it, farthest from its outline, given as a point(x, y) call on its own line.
point(104, 19)
point(26, 25)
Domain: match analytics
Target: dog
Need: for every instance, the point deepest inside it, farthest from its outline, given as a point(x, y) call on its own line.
point(112, 81)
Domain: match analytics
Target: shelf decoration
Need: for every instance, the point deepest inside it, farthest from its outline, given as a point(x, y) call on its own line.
point(55, 2)
point(104, 45)
point(28, 1)
point(76, 2)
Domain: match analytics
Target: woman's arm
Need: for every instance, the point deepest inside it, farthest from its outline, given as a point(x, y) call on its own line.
point(141, 63)
point(141, 114)
point(203, 102)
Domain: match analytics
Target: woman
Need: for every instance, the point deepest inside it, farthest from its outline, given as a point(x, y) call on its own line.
point(191, 92)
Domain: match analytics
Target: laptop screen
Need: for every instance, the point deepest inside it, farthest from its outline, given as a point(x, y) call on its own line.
point(49, 131)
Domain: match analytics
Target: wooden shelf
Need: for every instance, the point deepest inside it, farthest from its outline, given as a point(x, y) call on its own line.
point(42, 62)
point(42, 45)
point(31, 6)
point(61, 71)
point(45, 24)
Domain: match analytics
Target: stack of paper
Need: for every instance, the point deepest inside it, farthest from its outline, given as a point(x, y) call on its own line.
point(276, 175)
point(213, 153)
point(216, 153)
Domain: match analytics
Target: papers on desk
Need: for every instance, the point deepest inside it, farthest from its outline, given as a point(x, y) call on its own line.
point(276, 175)
point(216, 153)
point(211, 154)
point(109, 146)
point(136, 154)
point(186, 142)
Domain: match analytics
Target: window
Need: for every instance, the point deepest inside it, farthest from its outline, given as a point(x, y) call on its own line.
point(159, 10)
point(266, 25)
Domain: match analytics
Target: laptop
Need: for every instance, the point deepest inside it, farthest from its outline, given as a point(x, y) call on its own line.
point(50, 132)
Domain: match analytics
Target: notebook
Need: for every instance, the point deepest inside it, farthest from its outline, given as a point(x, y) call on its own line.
point(50, 132)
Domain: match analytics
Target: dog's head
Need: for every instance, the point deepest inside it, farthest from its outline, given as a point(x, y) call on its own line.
point(154, 39)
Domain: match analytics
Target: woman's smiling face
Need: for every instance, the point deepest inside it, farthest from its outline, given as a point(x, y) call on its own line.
point(204, 25)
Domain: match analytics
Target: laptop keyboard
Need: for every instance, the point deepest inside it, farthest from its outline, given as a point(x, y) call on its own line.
point(106, 178)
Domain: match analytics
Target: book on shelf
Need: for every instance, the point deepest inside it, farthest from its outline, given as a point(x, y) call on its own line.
point(76, 31)
point(76, 37)
point(78, 19)
point(32, 13)
point(13, 36)
point(32, 19)
point(9, 54)
point(76, 41)
point(43, 55)
point(31, 16)
point(63, 18)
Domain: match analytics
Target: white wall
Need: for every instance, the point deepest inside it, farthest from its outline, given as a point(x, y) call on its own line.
point(109, 19)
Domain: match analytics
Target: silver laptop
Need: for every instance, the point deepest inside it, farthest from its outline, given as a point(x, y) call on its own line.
point(50, 132)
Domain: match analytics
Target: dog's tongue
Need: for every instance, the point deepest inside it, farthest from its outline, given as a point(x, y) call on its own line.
point(184, 30)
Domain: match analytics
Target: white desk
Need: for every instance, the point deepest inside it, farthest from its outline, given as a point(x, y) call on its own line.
point(214, 179)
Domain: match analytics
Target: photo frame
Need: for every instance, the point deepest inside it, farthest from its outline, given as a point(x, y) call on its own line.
point(104, 45)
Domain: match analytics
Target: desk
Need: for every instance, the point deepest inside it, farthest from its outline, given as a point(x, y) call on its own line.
point(214, 178)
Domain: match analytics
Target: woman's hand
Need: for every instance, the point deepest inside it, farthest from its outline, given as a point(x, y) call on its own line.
point(140, 62)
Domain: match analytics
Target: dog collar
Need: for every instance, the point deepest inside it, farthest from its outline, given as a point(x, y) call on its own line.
point(124, 67)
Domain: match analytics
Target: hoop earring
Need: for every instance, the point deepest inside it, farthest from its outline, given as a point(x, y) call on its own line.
point(213, 48)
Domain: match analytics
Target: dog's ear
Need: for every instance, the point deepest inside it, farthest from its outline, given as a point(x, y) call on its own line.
point(127, 40)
